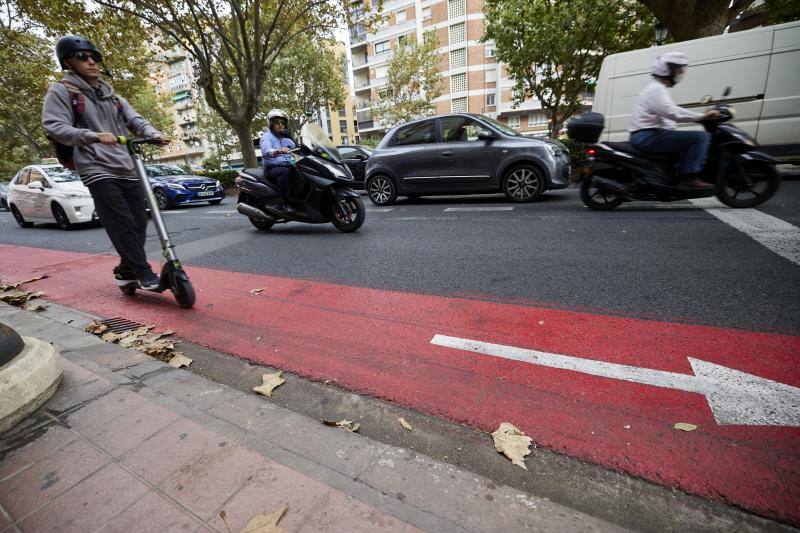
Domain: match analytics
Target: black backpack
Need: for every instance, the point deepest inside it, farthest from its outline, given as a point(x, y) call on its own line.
point(77, 102)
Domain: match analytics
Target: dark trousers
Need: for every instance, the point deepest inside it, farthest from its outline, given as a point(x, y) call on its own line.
point(120, 206)
point(280, 176)
point(691, 146)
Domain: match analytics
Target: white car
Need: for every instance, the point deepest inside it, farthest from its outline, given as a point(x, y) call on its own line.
point(49, 193)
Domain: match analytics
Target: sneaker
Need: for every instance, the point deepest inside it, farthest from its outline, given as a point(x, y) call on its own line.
point(123, 276)
point(148, 281)
point(695, 183)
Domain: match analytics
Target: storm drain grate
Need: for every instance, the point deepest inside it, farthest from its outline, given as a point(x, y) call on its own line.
point(120, 325)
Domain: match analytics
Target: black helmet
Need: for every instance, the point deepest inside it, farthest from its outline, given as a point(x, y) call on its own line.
point(69, 44)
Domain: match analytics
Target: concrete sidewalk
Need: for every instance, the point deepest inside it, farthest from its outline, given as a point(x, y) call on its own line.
point(129, 443)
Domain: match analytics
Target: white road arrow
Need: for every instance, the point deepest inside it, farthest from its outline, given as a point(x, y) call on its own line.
point(734, 397)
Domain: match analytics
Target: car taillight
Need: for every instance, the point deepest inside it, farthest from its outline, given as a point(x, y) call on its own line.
point(590, 152)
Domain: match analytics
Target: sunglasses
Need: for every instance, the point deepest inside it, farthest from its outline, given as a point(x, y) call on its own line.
point(85, 56)
point(279, 121)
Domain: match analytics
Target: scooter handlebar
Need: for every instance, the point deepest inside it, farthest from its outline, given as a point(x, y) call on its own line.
point(136, 142)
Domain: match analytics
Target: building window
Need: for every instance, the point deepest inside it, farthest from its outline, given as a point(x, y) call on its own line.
point(426, 13)
point(458, 83)
point(342, 126)
point(513, 122)
point(405, 40)
point(537, 119)
point(458, 58)
point(342, 112)
point(490, 99)
point(381, 47)
point(401, 16)
point(491, 76)
point(456, 8)
point(380, 72)
point(458, 105)
point(489, 50)
point(458, 33)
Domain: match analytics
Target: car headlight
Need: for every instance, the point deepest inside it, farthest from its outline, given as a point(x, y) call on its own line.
point(219, 184)
point(176, 186)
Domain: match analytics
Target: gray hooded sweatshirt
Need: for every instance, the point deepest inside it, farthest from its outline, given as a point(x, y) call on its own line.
point(94, 161)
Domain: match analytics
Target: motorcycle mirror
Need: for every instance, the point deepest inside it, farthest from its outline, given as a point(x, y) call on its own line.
point(727, 91)
point(706, 99)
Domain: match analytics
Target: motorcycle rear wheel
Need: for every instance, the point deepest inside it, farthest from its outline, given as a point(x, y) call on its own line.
point(749, 183)
point(598, 198)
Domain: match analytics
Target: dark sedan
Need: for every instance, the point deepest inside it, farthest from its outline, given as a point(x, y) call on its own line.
point(173, 186)
point(464, 154)
point(355, 157)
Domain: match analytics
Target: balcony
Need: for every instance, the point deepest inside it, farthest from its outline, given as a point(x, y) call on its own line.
point(364, 116)
point(367, 124)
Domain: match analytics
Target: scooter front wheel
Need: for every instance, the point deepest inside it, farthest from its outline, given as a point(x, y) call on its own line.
point(348, 214)
point(749, 183)
point(183, 291)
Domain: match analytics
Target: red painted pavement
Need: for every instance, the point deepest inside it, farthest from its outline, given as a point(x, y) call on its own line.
point(378, 343)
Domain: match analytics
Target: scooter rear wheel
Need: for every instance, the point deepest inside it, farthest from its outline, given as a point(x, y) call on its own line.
point(749, 183)
point(128, 290)
point(595, 197)
point(184, 292)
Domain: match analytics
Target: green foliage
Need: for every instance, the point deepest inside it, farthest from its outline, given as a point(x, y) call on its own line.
point(226, 177)
point(413, 82)
point(692, 19)
point(369, 142)
point(306, 75)
point(555, 49)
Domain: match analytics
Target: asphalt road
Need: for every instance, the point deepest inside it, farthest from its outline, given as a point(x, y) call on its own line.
point(672, 262)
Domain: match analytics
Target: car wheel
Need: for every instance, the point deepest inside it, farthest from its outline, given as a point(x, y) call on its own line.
point(161, 198)
point(214, 202)
point(381, 190)
point(61, 217)
point(18, 217)
point(523, 183)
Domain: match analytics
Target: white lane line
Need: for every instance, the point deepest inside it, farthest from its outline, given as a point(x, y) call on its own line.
point(222, 211)
point(379, 210)
point(479, 209)
point(777, 235)
point(173, 212)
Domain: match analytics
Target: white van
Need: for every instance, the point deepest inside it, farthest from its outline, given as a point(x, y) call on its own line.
point(762, 66)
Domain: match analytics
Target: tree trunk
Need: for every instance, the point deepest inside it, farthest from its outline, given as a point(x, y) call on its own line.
point(555, 127)
point(246, 145)
point(692, 19)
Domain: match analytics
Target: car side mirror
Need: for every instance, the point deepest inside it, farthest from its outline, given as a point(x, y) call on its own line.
point(358, 157)
point(485, 135)
point(36, 185)
point(706, 99)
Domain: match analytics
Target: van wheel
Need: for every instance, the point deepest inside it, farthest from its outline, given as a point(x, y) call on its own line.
point(523, 183)
point(381, 190)
point(61, 217)
point(18, 217)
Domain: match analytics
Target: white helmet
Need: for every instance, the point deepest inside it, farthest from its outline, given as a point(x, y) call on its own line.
point(662, 65)
point(277, 113)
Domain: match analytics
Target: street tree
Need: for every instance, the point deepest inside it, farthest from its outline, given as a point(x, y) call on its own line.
point(692, 19)
point(414, 81)
point(222, 141)
point(233, 44)
point(306, 76)
point(554, 49)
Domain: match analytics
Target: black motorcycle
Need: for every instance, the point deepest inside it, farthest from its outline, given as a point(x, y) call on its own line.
point(618, 172)
point(320, 188)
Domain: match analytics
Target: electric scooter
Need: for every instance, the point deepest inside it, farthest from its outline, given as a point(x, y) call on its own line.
point(173, 277)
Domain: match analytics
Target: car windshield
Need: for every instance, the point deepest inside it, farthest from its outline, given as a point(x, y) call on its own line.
point(60, 174)
point(315, 140)
point(164, 170)
point(502, 127)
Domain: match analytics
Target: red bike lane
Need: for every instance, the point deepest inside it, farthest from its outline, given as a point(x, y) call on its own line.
point(604, 389)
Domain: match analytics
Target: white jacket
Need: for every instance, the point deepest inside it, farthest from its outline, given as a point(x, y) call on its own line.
point(655, 109)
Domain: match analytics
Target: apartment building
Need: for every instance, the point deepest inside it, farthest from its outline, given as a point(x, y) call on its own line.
point(173, 75)
point(340, 124)
point(473, 80)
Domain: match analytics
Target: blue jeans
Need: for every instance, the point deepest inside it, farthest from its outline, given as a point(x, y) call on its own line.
point(691, 146)
point(280, 176)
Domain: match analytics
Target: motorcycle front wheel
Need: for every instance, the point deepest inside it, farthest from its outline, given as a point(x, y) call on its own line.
point(749, 183)
point(596, 197)
point(348, 214)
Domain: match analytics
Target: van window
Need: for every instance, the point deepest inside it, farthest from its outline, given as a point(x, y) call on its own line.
point(420, 133)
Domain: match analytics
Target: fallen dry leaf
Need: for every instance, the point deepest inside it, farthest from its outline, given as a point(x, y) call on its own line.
point(224, 516)
point(9, 286)
point(18, 298)
point(178, 360)
point(343, 424)
point(110, 336)
point(512, 443)
point(256, 291)
point(265, 523)
point(35, 308)
point(683, 426)
point(405, 424)
point(269, 382)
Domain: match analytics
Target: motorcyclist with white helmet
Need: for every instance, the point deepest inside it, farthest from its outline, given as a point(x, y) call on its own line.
point(275, 146)
point(654, 118)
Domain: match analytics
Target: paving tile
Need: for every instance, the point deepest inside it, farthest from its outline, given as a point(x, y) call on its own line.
point(77, 386)
point(271, 488)
point(106, 355)
point(89, 417)
point(345, 513)
point(195, 391)
point(127, 430)
point(212, 477)
point(150, 365)
point(88, 504)
point(151, 513)
point(171, 448)
point(49, 478)
point(21, 449)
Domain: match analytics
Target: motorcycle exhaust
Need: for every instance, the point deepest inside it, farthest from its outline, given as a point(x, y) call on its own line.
point(253, 212)
point(610, 185)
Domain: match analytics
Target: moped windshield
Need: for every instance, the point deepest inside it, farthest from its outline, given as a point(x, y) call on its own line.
point(313, 138)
